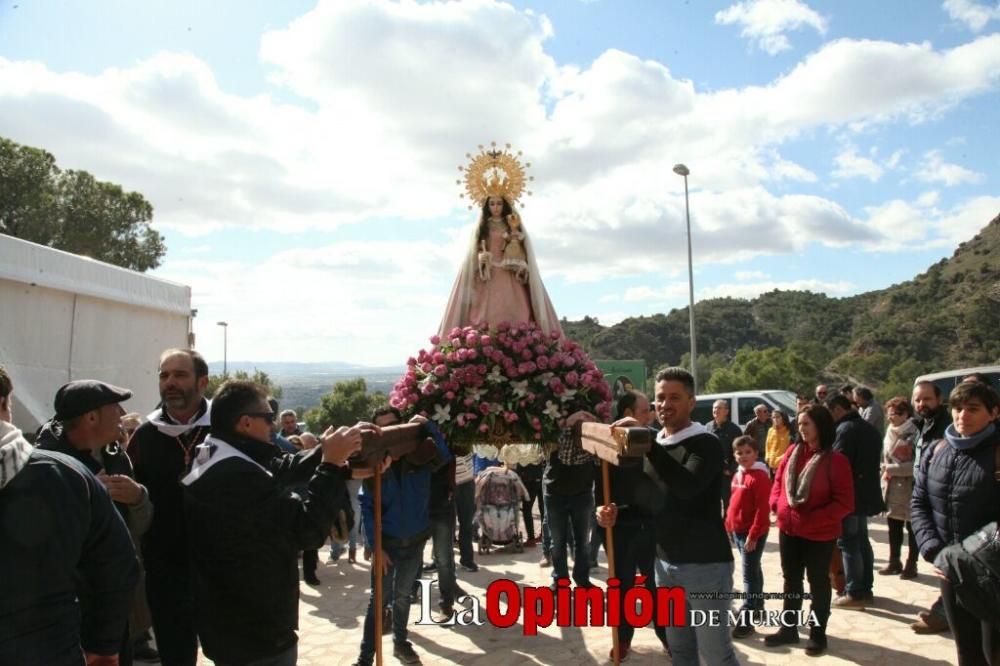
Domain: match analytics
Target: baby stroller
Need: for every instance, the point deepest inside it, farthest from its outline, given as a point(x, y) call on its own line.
point(499, 493)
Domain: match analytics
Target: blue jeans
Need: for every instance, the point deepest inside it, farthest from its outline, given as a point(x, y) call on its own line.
point(712, 643)
point(859, 560)
point(753, 574)
point(564, 512)
point(336, 549)
point(443, 535)
point(397, 585)
point(465, 507)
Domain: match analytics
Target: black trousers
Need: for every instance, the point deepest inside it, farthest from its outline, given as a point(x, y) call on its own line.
point(635, 552)
point(978, 642)
point(896, 541)
point(168, 591)
point(531, 477)
point(801, 556)
point(310, 558)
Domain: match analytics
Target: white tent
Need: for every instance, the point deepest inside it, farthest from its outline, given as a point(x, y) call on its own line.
point(66, 317)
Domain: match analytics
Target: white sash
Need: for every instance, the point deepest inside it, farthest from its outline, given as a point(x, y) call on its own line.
point(211, 451)
point(178, 429)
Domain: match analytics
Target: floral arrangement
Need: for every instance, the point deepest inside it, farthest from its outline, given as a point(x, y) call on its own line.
point(512, 384)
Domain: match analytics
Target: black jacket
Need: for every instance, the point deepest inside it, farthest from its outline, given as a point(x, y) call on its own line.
point(62, 538)
point(689, 527)
point(245, 529)
point(929, 430)
point(158, 460)
point(727, 432)
point(862, 444)
point(955, 494)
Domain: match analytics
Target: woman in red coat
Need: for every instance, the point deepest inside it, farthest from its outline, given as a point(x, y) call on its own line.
point(812, 492)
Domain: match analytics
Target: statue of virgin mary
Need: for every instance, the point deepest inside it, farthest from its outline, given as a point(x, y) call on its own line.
point(499, 279)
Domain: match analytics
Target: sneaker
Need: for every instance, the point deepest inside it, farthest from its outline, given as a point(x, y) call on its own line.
point(847, 601)
point(471, 566)
point(405, 653)
point(891, 569)
point(743, 630)
point(929, 623)
point(545, 562)
point(623, 650)
point(785, 636)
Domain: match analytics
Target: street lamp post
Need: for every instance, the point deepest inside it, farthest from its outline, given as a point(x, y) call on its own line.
point(225, 350)
point(682, 170)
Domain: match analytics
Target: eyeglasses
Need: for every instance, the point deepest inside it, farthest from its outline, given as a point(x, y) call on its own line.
point(267, 416)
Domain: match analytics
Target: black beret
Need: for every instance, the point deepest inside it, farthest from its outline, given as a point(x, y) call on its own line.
point(84, 395)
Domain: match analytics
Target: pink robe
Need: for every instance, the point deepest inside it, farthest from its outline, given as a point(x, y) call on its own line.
point(503, 297)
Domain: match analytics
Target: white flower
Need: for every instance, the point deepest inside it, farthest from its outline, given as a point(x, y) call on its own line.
point(520, 388)
point(544, 378)
point(496, 375)
point(474, 393)
point(442, 414)
point(552, 410)
point(567, 394)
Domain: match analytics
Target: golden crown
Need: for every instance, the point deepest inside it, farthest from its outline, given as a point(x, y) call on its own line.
point(494, 173)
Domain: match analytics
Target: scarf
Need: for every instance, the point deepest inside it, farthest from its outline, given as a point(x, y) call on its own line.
point(168, 427)
point(797, 486)
point(14, 452)
point(959, 443)
point(695, 428)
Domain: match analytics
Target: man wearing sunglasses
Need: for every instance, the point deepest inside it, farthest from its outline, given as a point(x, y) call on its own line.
point(246, 525)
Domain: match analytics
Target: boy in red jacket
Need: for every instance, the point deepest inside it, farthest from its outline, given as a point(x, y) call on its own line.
point(747, 521)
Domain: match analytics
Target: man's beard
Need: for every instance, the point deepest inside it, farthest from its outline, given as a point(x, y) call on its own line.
point(927, 412)
point(180, 399)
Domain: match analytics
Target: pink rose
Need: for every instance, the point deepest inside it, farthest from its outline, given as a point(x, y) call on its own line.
point(455, 342)
point(484, 428)
point(441, 370)
point(572, 378)
point(510, 417)
point(484, 408)
point(427, 389)
point(425, 366)
point(538, 435)
point(526, 355)
point(449, 395)
point(503, 326)
point(435, 339)
point(470, 339)
point(450, 357)
point(554, 335)
point(481, 369)
point(569, 361)
point(485, 340)
point(411, 361)
point(468, 402)
point(536, 424)
point(455, 332)
point(543, 362)
point(555, 383)
point(472, 354)
point(438, 357)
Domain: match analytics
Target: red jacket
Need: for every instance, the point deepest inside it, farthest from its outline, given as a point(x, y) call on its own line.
point(748, 505)
point(831, 498)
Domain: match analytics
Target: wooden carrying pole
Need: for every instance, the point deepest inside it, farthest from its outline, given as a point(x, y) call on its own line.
point(378, 565)
point(609, 548)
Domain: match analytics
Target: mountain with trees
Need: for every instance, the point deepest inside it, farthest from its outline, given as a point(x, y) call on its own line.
point(73, 211)
point(946, 317)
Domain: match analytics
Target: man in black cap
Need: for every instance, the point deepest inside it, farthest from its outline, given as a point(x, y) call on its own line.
point(161, 451)
point(63, 540)
point(85, 427)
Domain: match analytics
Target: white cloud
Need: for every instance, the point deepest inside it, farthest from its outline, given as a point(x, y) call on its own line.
point(754, 289)
point(746, 276)
point(935, 170)
point(973, 14)
point(929, 199)
point(767, 21)
point(851, 165)
point(965, 220)
point(389, 96)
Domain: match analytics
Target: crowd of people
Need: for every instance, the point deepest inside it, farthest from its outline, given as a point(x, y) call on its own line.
point(191, 521)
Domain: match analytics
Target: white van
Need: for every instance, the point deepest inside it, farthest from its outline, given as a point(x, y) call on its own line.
point(741, 404)
point(946, 381)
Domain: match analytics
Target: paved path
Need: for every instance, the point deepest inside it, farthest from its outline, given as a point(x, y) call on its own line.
point(331, 617)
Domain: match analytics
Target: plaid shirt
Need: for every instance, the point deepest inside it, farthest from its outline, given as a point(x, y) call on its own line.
point(570, 452)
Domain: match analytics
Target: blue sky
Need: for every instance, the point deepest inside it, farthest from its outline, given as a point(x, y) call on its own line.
point(301, 156)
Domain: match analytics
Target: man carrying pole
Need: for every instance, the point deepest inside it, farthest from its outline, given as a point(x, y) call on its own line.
point(394, 509)
point(632, 542)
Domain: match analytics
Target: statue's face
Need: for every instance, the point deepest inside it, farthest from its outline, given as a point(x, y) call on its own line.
point(496, 206)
